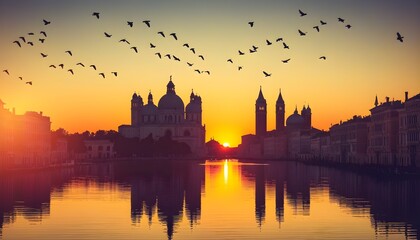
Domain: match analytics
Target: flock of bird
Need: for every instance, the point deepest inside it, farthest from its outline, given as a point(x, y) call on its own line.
point(30, 40)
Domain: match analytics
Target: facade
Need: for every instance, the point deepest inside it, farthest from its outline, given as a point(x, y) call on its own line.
point(168, 118)
point(99, 149)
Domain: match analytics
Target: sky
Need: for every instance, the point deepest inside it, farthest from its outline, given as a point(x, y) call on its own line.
point(361, 62)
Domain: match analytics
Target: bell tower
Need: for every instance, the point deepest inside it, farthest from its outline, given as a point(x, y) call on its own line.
point(280, 110)
point(260, 115)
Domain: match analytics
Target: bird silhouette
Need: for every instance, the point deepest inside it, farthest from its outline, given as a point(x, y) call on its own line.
point(46, 22)
point(18, 43)
point(230, 60)
point(285, 45)
point(208, 72)
point(254, 47)
point(400, 37)
point(30, 83)
point(115, 73)
point(286, 60)
point(130, 23)
point(21, 78)
point(186, 45)
point(161, 33)
point(192, 50)
point(41, 40)
point(69, 52)
point(240, 53)
point(340, 19)
point(102, 74)
point(198, 71)
point(322, 22)
point(152, 46)
point(175, 58)
point(251, 24)
point(279, 39)
point(44, 55)
point(323, 58)
point(6, 71)
point(31, 43)
point(168, 56)
point(81, 64)
point(158, 54)
point(174, 35)
point(239, 68)
point(71, 71)
point(301, 33)
point(252, 50)
point(23, 39)
point(302, 13)
point(190, 64)
point(52, 66)
point(268, 42)
point(93, 66)
point(96, 14)
point(316, 28)
point(147, 22)
point(135, 49)
point(61, 65)
point(201, 56)
point(124, 40)
point(107, 35)
point(31, 33)
point(43, 33)
point(348, 26)
point(266, 74)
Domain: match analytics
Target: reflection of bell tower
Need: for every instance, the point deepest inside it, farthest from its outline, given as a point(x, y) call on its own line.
point(260, 115)
point(280, 109)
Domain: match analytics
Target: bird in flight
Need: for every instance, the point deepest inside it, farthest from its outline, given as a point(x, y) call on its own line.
point(23, 39)
point(46, 22)
point(230, 60)
point(61, 65)
point(399, 37)
point(198, 71)
point(21, 78)
point(266, 74)
point(322, 22)
point(286, 60)
point(268, 42)
point(30, 83)
point(130, 23)
point(135, 49)
point(201, 56)
point(96, 14)
point(71, 71)
point(6, 71)
point(161, 33)
point(323, 58)
point(124, 40)
point(147, 22)
point(31, 43)
point(186, 45)
point(44, 55)
point(285, 45)
point(41, 40)
point(254, 47)
point(43, 33)
point(240, 53)
point(176, 59)
point(174, 35)
point(18, 43)
point(348, 26)
point(302, 13)
point(31, 33)
point(115, 73)
point(252, 50)
point(168, 56)
point(316, 28)
point(239, 68)
point(102, 74)
point(192, 50)
point(340, 19)
point(69, 52)
point(93, 66)
point(81, 64)
point(158, 54)
point(190, 64)
point(208, 72)
point(301, 33)
point(107, 35)
point(52, 66)
point(251, 24)
point(152, 46)
point(279, 39)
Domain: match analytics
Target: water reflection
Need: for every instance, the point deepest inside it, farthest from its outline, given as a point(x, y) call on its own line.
point(216, 199)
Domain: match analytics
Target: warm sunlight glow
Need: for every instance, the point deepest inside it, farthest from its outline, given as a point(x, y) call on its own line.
point(226, 144)
point(226, 170)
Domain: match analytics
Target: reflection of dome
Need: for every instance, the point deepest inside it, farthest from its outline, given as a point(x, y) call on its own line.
point(171, 101)
point(295, 120)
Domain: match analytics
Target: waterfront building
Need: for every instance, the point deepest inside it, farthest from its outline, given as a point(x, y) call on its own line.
point(169, 118)
point(99, 149)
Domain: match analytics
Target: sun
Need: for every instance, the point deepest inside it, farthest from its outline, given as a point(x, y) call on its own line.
point(226, 144)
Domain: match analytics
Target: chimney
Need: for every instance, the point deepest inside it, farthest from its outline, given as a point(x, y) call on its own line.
point(40, 113)
point(406, 96)
point(387, 99)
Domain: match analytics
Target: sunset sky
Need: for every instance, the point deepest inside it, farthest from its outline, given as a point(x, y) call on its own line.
point(361, 62)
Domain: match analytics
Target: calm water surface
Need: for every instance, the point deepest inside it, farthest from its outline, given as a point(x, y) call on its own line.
point(226, 199)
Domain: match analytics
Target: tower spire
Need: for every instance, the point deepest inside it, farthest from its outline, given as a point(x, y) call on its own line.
point(376, 101)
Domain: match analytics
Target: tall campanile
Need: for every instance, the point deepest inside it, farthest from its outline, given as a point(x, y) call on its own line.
point(280, 106)
point(260, 115)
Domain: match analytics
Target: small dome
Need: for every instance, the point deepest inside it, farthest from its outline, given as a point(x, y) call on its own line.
point(171, 101)
point(149, 109)
point(134, 96)
point(295, 120)
point(193, 107)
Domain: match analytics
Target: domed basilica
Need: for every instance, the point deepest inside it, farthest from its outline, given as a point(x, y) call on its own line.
point(168, 118)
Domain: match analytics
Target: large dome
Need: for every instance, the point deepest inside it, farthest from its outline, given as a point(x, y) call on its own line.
point(295, 120)
point(171, 101)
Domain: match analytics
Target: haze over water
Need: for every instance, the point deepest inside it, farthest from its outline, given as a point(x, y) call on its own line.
point(226, 199)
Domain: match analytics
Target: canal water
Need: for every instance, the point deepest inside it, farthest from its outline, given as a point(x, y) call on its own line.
point(214, 199)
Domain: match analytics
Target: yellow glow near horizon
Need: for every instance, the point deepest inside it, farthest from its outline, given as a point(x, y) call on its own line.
point(226, 144)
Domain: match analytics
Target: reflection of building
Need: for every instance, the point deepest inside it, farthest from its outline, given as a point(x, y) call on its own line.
point(25, 140)
point(167, 119)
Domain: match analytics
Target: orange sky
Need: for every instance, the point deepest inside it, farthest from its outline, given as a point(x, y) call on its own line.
point(361, 62)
